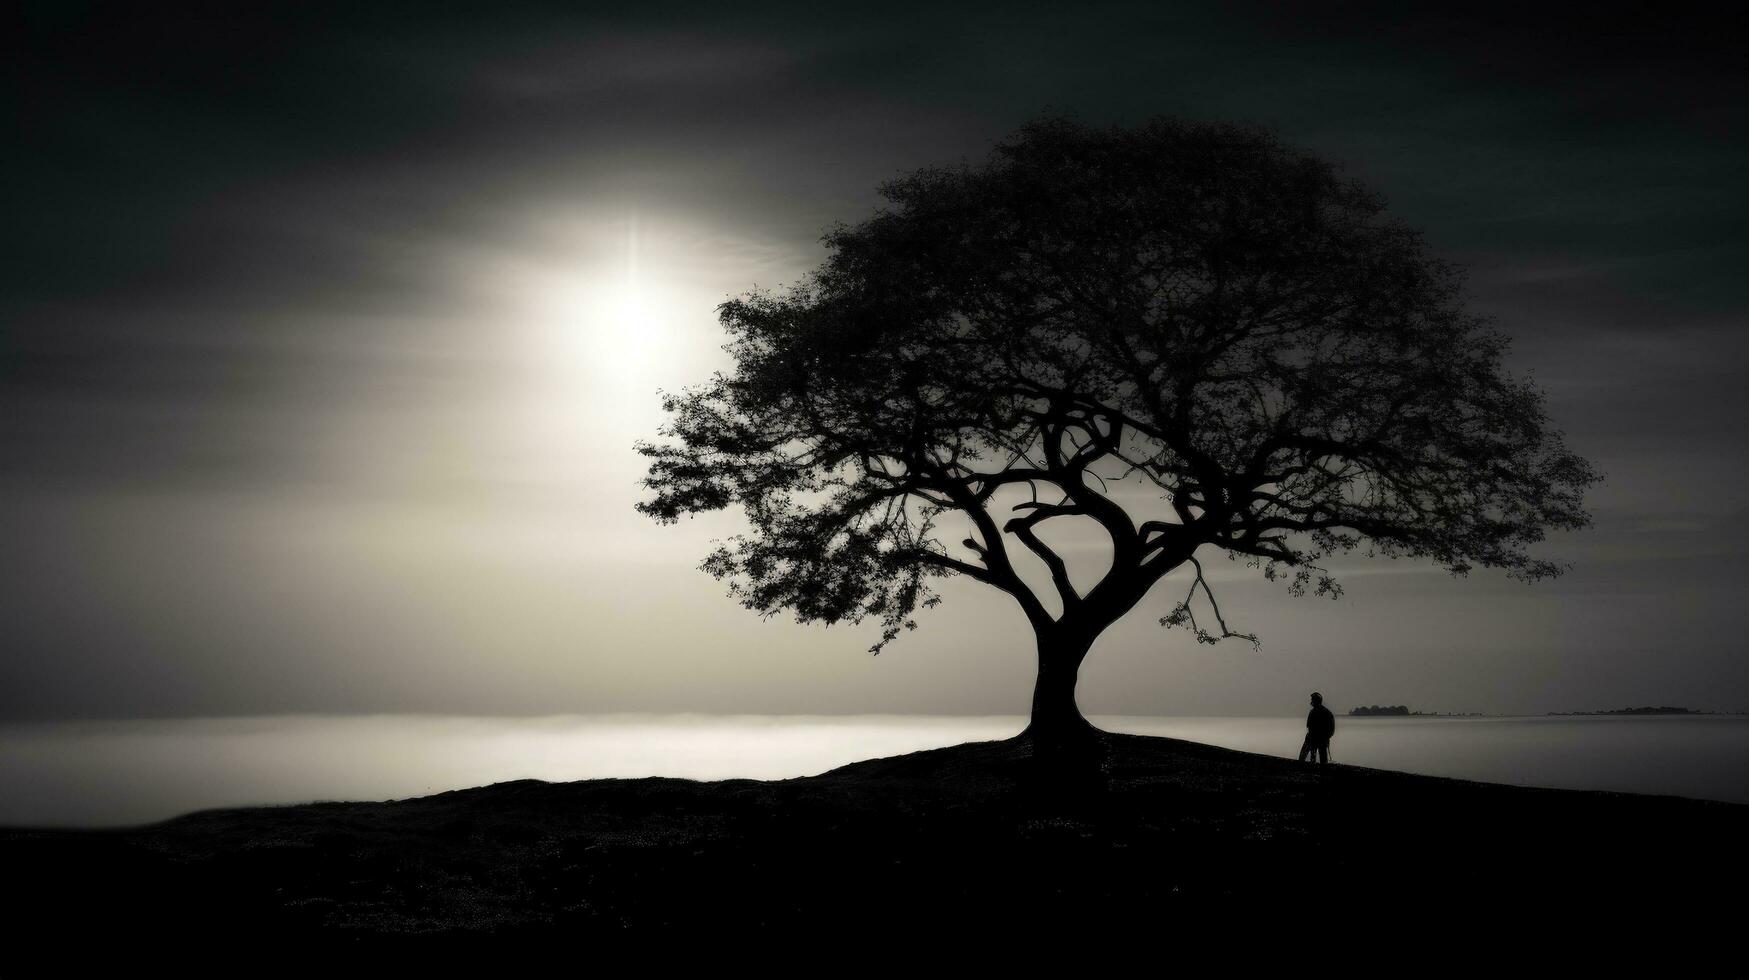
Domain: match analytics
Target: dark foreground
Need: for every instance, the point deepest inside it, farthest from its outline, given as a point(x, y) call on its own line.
point(1181, 854)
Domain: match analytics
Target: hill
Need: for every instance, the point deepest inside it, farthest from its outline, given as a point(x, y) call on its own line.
point(1172, 848)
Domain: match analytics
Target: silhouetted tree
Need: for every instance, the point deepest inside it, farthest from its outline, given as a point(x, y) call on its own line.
point(1194, 308)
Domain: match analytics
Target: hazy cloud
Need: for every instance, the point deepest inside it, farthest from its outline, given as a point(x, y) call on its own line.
point(316, 389)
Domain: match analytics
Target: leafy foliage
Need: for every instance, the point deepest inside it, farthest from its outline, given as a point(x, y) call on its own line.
point(1196, 308)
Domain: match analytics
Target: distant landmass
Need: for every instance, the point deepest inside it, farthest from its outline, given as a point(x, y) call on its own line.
point(1664, 709)
point(1402, 711)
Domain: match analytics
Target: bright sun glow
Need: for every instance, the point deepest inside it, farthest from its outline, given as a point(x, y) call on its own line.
point(614, 312)
point(630, 329)
point(617, 306)
point(608, 317)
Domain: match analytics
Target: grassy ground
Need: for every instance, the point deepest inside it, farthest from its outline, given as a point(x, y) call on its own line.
point(1173, 853)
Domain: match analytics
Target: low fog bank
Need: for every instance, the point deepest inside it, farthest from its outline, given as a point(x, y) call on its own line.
point(126, 772)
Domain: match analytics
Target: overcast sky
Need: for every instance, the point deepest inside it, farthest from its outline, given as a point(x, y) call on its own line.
point(325, 336)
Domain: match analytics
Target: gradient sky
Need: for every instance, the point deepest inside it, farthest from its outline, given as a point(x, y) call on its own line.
point(325, 336)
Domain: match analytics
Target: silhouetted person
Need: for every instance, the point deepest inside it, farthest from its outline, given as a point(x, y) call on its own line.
point(1320, 725)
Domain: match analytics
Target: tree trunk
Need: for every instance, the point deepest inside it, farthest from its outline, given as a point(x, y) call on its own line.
point(1056, 721)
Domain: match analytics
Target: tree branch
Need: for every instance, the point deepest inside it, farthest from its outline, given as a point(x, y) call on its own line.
point(1183, 615)
point(1022, 528)
point(995, 553)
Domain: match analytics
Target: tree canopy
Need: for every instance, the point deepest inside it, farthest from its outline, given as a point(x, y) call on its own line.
point(1194, 308)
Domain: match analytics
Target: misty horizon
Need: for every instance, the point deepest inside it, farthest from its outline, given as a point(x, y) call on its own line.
point(119, 773)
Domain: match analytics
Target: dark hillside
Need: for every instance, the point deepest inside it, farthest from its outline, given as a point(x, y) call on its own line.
point(1180, 850)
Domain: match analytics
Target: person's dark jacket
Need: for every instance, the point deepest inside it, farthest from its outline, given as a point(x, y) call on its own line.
point(1320, 724)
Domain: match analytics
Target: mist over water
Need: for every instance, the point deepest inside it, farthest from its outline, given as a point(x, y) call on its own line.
point(126, 772)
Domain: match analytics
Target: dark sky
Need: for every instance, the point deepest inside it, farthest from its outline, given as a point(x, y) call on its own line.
point(317, 394)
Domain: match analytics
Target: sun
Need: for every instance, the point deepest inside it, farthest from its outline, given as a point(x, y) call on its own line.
point(614, 308)
point(606, 319)
point(629, 329)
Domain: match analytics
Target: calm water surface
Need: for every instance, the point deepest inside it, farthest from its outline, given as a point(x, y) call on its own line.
point(110, 773)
